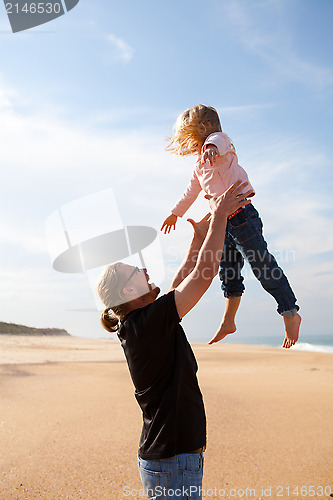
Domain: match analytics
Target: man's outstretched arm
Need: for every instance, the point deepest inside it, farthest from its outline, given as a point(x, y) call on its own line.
point(200, 231)
point(195, 284)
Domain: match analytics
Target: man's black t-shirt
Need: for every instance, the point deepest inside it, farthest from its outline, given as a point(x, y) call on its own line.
point(163, 369)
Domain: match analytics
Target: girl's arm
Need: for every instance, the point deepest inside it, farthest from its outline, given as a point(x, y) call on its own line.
point(186, 200)
point(188, 197)
point(220, 141)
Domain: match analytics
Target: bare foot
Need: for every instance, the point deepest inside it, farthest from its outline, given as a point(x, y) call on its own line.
point(225, 329)
point(292, 329)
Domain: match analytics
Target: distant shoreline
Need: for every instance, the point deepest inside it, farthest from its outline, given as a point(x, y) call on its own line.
point(37, 334)
point(15, 329)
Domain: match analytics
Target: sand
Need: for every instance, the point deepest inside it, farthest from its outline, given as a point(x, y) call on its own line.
point(70, 425)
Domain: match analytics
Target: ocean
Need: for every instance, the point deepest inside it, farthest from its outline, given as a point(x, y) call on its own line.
point(315, 343)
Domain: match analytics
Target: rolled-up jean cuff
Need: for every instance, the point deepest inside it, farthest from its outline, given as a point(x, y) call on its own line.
point(291, 313)
point(230, 295)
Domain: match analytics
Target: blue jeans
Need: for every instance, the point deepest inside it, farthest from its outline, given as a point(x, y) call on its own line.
point(244, 240)
point(178, 477)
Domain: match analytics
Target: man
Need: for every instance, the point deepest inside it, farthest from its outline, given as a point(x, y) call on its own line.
point(160, 359)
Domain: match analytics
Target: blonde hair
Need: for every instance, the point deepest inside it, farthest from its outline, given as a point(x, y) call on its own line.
point(110, 291)
point(192, 129)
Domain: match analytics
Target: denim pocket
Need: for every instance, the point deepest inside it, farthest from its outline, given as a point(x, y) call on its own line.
point(246, 226)
point(248, 213)
point(192, 476)
point(154, 482)
point(237, 220)
point(193, 463)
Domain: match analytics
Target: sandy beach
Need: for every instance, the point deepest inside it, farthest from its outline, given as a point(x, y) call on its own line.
point(70, 425)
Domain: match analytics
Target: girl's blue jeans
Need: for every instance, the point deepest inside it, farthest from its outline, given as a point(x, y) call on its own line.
point(244, 240)
point(178, 477)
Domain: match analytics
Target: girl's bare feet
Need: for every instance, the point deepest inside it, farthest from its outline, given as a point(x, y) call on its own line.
point(292, 330)
point(225, 329)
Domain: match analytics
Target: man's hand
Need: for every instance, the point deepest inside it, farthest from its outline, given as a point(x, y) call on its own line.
point(210, 154)
point(230, 201)
point(201, 228)
point(169, 223)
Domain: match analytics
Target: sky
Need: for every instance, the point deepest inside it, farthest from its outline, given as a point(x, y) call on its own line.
point(86, 103)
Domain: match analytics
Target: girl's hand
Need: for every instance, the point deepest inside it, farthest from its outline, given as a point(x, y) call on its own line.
point(169, 223)
point(210, 154)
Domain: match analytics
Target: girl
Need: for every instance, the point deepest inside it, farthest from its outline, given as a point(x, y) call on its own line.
point(198, 131)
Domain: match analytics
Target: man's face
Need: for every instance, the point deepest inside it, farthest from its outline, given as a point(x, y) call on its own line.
point(136, 282)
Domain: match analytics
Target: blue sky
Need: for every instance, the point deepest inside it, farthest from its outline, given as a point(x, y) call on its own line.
point(86, 102)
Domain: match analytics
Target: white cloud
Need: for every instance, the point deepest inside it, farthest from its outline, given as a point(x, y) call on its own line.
point(274, 44)
point(246, 109)
point(295, 206)
point(4, 100)
point(6, 97)
point(123, 51)
point(21, 237)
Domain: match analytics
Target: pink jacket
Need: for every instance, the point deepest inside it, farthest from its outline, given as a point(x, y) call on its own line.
point(216, 179)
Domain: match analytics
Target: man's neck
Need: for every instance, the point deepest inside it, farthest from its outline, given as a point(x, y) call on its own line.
point(144, 300)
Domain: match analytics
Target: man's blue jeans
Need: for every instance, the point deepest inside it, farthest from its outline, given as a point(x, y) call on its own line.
point(244, 240)
point(178, 477)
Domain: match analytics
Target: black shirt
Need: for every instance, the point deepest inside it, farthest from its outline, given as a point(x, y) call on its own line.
point(163, 369)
